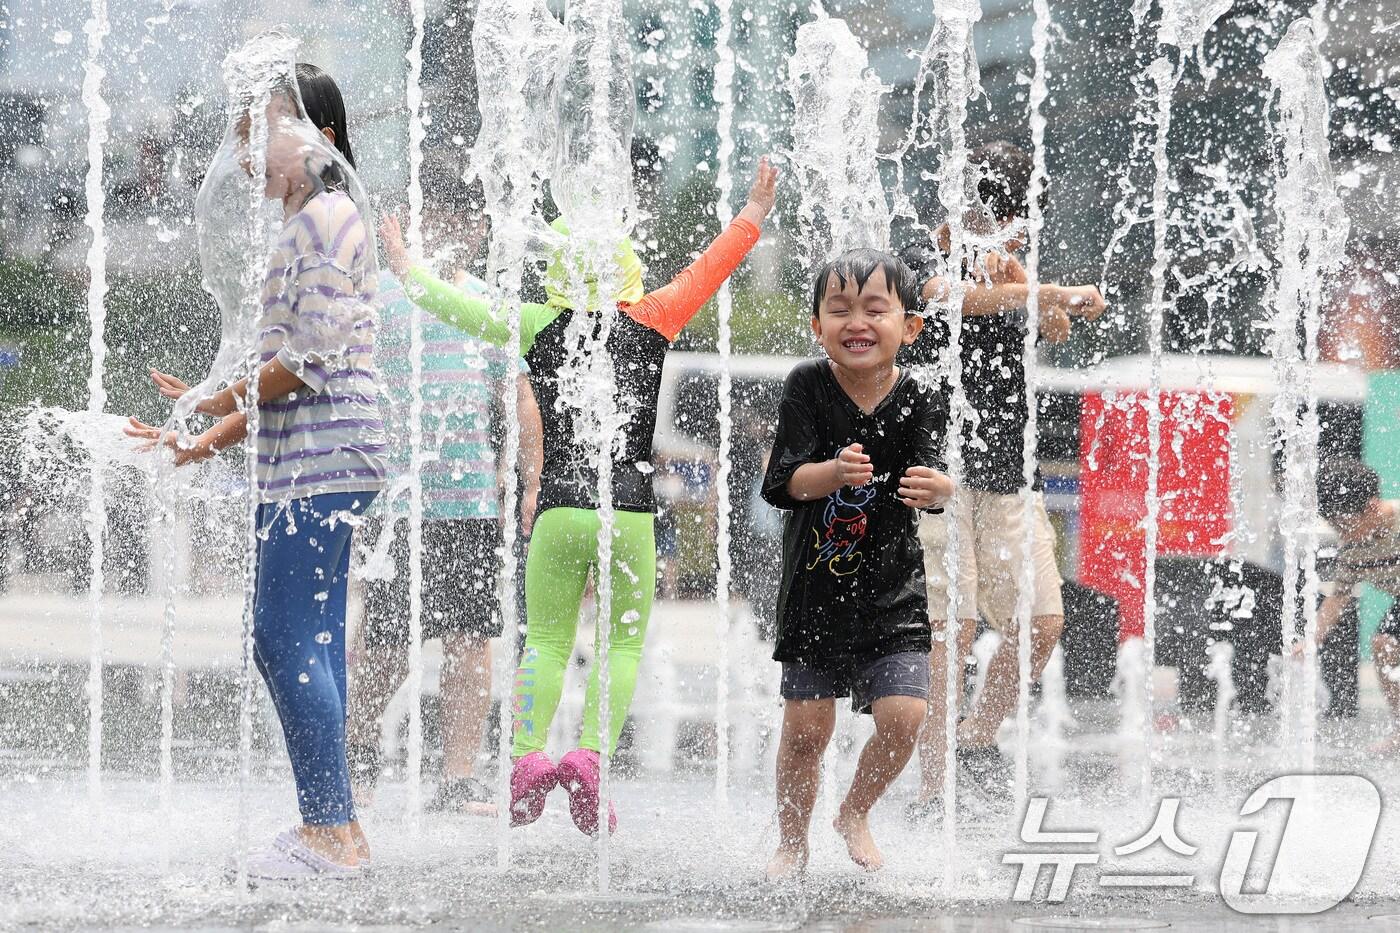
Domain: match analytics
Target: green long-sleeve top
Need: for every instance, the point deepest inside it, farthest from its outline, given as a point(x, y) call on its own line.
point(472, 315)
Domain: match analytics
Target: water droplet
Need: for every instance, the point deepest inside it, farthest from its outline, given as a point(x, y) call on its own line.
point(323, 638)
point(303, 678)
point(62, 37)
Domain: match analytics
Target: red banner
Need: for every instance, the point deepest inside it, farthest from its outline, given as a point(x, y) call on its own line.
point(1193, 485)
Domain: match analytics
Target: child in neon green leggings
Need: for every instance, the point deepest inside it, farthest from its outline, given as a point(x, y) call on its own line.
point(563, 545)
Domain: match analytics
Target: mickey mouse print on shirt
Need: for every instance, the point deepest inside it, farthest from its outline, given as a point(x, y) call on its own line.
point(846, 524)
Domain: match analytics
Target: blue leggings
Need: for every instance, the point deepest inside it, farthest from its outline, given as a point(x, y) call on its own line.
point(303, 569)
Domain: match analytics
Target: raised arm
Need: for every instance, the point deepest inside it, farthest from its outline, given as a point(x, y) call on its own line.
point(471, 314)
point(669, 309)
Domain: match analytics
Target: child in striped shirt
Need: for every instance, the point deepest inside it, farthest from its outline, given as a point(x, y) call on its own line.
point(319, 449)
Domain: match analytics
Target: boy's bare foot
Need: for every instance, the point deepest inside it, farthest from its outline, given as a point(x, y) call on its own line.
point(860, 845)
point(787, 863)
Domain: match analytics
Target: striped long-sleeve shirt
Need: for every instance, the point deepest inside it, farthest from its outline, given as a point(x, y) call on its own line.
point(318, 319)
point(459, 375)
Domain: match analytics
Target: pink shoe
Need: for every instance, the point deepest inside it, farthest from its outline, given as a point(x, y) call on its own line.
point(578, 773)
point(531, 780)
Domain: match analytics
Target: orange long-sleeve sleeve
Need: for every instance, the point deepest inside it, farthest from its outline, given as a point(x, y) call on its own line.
point(668, 309)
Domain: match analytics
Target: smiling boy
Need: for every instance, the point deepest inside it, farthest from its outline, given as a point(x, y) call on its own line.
point(857, 454)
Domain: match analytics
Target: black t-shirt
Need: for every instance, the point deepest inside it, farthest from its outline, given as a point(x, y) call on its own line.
point(994, 380)
point(853, 569)
point(568, 481)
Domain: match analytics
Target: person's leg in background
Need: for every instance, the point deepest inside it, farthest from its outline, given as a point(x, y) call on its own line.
point(463, 607)
point(382, 666)
point(933, 736)
point(633, 590)
point(465, 692)
point(933, 535)
point(1001, 568)
point(563, 546)
point(303, 569)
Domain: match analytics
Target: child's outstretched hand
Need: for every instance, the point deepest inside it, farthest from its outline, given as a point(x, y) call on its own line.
point(764, 193)
point(171, 387)
point(174, 388)
point(922, 487)
point(391, 235)
point(853, 467)
point(187, 449)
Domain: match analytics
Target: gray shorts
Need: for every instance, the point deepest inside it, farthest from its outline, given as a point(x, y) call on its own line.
point(461, 557)
point(895, 675)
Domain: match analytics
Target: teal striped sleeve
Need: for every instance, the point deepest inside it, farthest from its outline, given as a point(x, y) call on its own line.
point(471, 314)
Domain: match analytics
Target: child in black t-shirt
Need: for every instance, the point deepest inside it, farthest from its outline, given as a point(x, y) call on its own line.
point(857, 453)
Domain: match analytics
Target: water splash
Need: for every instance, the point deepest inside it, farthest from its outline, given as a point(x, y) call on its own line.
point(1220, 669)
point(59, 445)
point(1054, 719)
point(724, 305)
point(233, 221)
point(594, 104)
point(1130, 687)
point(595, 108)
point(1035, 222)
point(96, 28)
point(510, 157)
point(836, 135)
point(1183, 25)
point(416, 133)
point(1312, 236)
point(1164, 79)
point(955, 77)
point(259, 225)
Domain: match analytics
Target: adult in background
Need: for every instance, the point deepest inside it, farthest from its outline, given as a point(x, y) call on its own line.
point(990, 508)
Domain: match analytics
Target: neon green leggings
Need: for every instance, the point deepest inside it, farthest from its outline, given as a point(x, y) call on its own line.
point(563, 552)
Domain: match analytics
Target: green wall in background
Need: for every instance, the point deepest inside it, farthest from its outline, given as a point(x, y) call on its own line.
point(1381, 449)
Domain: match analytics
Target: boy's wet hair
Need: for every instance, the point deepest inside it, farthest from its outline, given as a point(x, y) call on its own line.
point(860, 264)
point(1006, 178)
point(1345, 487)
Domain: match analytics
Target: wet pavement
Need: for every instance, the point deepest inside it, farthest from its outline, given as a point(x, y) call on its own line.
point(677, 864)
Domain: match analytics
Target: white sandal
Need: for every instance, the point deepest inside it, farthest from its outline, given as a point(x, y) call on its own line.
point(291, 859)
